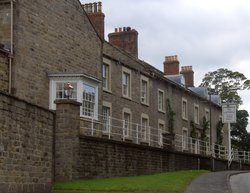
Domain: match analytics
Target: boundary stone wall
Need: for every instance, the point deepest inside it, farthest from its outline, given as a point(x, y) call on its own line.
point(26, 146)
point(102, 158)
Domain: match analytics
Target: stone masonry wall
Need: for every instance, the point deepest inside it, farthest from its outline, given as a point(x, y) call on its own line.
point(67, 140)
point(26, 145)
point(102, 158)
point(119, 59)
point(51, 37)
point(4, 73)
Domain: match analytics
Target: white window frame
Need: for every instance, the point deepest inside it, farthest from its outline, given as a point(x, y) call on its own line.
point(89, 102)
point(107, 120)
point(161, 104)
point(107, 76)
point(127, 126)
point(126, 92)
point(185, 138)
point(144, 128)
point(196, 114)
point(144, 91)
point(79, 79)
point(161, 131)
point(184, 109)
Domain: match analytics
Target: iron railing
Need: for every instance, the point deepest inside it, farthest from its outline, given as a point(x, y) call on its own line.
point(121, 130)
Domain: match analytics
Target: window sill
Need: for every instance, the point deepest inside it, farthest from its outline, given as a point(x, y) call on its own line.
point(126, 97)
point(185, 119)
point(107, 90)
point(88, 118)
point(145, 104)
point(161, 111)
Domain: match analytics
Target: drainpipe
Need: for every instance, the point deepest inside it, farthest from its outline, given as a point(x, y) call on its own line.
point(11, 43)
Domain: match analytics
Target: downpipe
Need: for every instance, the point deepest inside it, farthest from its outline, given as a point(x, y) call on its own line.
point(11, 43)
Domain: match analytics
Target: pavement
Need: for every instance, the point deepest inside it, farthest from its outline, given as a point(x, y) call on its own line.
point(213, 182)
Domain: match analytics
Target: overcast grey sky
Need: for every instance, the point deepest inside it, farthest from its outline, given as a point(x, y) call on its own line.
point(207, 34)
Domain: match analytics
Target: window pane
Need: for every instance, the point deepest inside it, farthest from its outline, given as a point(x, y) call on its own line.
point(60, 91)
point(106, 115)
point(125, 84)
point(105, 76)
point(144, 86)
point(144, 128)
point(126, 124)
point(88, 101)
point(160, 100)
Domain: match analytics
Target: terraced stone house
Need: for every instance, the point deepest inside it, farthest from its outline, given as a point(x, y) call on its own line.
point(129, 112)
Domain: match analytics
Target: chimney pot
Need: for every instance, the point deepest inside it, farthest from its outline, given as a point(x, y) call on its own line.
point(120, 29)
point(116, 30)
point(95, 7)
point(94, 11)
point(99, 7)
point(128, 28)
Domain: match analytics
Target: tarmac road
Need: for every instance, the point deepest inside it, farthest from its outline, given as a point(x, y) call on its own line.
point(240, 183)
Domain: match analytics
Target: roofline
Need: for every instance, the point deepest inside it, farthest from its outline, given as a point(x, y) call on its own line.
point(67, 75)
point(158, 73)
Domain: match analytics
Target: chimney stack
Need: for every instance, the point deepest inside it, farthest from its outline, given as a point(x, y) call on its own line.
point(94, 12)
point(171, 65)
point(188, 74)
point(125, 38)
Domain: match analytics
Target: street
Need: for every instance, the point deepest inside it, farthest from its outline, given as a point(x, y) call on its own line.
point(240, 183)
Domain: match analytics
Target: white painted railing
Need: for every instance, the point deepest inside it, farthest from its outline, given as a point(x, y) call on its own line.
point(119, 130)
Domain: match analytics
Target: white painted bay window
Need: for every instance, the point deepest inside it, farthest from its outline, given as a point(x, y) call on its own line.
point(85, 91)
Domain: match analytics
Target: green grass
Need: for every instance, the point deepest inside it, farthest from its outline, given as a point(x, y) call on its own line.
point(170, 182)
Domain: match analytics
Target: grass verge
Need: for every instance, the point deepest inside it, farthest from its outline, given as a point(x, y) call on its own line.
point(169, 182)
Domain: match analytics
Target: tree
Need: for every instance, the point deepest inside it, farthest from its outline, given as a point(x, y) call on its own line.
point(239, 134)
point(226, 83)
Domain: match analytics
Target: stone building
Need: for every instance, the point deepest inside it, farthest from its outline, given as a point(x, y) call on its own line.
point(148, 91)
point(118, 97)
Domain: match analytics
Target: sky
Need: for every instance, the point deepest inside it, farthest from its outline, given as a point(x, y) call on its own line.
point(207, 34)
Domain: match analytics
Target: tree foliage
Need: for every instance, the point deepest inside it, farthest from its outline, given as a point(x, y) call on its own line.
point(171, 115)
point(239, 134)
point(205, 128)
point(226, 83)
point(219, 135)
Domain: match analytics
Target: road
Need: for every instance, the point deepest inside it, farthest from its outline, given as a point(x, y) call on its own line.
point(240, 183)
